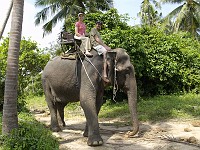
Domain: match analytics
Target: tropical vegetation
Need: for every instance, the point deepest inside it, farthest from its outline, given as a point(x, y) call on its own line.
point(31, 63)
point(148, 14)
point(62, 10)
point(186, 17)
point(166, 63)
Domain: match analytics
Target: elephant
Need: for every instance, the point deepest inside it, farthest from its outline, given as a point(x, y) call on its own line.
point(81, 80)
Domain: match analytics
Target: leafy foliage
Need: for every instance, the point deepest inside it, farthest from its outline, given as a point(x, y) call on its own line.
point(31, 62)
point(148, 15)
point(185, 17)
point(164, 63)
point(111, 20)
point(58, 10)
point(30, 135)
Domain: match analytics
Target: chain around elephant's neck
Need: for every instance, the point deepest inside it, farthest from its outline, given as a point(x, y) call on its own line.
point(115, 85)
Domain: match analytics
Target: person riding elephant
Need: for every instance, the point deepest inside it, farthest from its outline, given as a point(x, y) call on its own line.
point(99, 46)
point(80, 34)
point(66, 81)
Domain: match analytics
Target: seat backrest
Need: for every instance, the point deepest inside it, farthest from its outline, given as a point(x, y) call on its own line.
point(67, 37)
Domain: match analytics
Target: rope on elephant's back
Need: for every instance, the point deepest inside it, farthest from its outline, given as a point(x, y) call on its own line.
point(93, 66)
point(86, 71)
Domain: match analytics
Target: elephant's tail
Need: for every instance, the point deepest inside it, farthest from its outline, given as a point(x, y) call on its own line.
point(48, 90)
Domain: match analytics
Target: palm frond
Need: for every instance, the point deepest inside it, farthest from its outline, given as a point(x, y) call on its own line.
point(181, 15)
point(172, 1)
point(44, 2)
point(61, 9)
point(173, 13)
point(41, 16)
point(47, 28)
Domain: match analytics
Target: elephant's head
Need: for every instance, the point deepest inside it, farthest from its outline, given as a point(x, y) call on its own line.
point(122, 71)
point(118, 62)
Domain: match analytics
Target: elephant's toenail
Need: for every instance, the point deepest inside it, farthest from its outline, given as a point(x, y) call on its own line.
point(95, 143)
point(100, 142)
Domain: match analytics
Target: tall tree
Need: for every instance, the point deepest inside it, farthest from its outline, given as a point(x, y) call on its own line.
point(10, 118)
point(148, 14)
point(186, 16)
point(62, 9)
point(6, 19)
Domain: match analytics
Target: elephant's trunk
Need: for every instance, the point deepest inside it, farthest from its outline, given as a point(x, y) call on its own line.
point(132, 102)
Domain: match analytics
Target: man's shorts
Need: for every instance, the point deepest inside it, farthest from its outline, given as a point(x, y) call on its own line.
point(100, 49)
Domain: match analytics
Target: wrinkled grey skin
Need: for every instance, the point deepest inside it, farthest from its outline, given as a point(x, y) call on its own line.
point(65, 81)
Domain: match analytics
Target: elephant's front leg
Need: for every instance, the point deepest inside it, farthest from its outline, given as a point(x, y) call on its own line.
point(89, 106)
point(99, 103)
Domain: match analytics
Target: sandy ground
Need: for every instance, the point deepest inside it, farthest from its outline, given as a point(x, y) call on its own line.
point(170, 135)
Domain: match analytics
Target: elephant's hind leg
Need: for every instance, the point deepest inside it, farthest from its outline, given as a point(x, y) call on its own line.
point(53, 109)
point(54, 121)
point(60, 107)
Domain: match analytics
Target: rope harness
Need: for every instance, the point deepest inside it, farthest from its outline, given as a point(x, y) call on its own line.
point(115, 85)
point(86, 70)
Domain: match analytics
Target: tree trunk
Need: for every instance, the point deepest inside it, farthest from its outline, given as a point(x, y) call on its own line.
point(6, 20)
point(10, 118)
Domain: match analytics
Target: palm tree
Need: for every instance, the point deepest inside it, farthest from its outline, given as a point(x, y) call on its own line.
point(10, 119)
point(63, 9)
point(6, 19)
point(186, 16)
point(147, 13)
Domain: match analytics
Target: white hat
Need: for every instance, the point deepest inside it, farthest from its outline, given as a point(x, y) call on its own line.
point(80, 14)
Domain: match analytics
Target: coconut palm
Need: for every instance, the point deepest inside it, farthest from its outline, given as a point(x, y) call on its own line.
point(63, 9)
point(10, 119)
point(6, 19)
point(186, 17)
point(147, 13)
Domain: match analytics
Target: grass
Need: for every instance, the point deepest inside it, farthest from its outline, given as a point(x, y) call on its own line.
point(157, 108)
point(169, 107)
point(36, 102)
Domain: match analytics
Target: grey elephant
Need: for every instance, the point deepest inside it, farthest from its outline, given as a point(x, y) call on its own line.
point(67, 81)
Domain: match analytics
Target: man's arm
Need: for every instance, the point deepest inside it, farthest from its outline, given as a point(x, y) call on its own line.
point(101, 42)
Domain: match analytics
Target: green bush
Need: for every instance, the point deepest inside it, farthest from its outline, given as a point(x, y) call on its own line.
point(31, 62)
point(31, 135)
point(164, 64)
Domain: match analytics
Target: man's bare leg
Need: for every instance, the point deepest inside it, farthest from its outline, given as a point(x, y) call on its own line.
point(105, 77)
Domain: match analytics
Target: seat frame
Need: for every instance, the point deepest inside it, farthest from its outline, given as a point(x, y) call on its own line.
point(67, 38)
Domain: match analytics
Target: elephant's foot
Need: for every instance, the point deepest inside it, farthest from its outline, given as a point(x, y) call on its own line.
point(95, 140)
point(131, 134)
point(56, 129)
point(63, 124)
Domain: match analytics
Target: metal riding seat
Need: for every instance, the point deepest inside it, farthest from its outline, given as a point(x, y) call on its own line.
point(67, 39)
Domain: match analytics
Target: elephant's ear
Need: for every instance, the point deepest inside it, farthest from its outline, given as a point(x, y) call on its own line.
point(111, 61)
point(123, 62)
point(111, 55)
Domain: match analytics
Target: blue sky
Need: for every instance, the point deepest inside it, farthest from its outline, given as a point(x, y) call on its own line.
point(131, 7)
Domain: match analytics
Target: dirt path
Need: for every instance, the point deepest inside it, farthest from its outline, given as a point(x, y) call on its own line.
point(113, 132)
